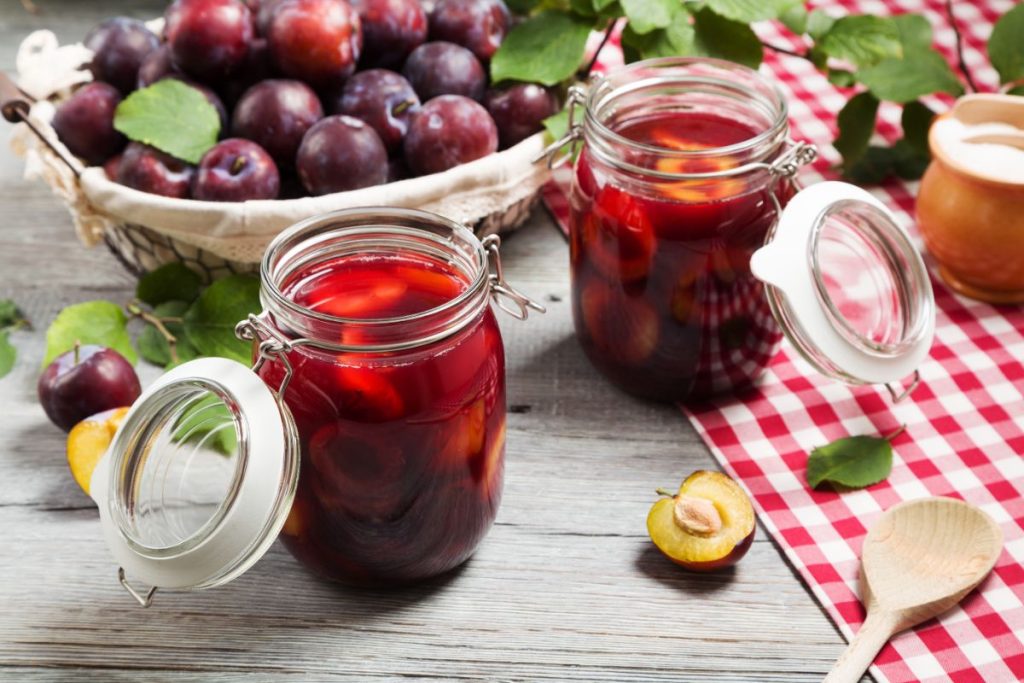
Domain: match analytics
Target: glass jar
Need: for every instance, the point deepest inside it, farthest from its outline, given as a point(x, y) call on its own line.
point(370, 433)
point(683, 175)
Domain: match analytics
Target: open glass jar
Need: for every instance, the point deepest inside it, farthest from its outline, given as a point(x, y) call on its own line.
point(370, 433)
point(688, 260)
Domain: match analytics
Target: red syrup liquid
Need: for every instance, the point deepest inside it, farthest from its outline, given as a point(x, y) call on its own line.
point(403, 451)
point(663, 299)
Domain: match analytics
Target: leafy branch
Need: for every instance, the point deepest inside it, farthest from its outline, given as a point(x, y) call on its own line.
point(882, 60)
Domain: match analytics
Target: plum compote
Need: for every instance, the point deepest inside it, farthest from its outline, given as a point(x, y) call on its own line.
point(665, 304)
point(402, 450)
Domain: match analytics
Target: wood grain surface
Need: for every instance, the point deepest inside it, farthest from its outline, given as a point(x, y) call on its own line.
point(566, 586)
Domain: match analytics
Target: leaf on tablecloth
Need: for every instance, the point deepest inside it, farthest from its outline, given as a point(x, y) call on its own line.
point(854, 462)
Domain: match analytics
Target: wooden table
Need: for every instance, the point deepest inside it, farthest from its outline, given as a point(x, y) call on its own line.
point(567, 585)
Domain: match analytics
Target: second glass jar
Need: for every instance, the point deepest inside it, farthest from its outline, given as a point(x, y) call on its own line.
point(672, 192)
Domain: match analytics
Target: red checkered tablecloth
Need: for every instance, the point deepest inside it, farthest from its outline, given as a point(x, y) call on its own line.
point(965, 422)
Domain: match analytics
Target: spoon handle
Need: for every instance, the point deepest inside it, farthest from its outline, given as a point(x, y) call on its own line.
point(860, 653)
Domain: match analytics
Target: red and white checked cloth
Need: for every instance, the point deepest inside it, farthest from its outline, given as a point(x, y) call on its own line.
point(965, 422)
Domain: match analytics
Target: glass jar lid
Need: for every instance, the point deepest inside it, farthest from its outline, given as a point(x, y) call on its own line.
point(847, 285)
point(199, 478)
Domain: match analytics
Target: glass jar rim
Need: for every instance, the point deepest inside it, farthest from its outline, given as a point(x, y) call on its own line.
point(775, 100)
point(408, 225)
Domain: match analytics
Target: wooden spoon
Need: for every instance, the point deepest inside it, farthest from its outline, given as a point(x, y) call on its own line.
point(919, 560)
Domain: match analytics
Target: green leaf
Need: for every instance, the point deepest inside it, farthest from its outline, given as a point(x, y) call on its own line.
point(879, 163)
point(841, 78)
point(172, 116)
point(678, 40)
point(862, 40)
point(546, 48)
point(853, 462)
point(1006, 45)
point(915, 32)
point(91, 322)
point(916, 120)
point(10, 315)
point(749, 11)
point(601, 5)
point(210, 321)
point(207, 422)
point(646, 15)
point(1019, 90)
point(521, 7)
point(916, 75)
point(8, 354)
point(154, 348)
point(170, 282)
point(819, 23)
point(795, 18)
point(856, 124)
point(557, 125)
point(724, 38)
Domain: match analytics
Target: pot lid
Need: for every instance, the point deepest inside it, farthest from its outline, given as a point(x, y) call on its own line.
point(199, 478)
point(847, 285)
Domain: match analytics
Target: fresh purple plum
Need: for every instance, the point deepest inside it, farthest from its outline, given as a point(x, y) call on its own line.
point(448, 131)
point(480, 25)
point(276, 114)
point(256, 68)
point(148, 169)
point(85, 381)
point(111, 166)
point(441, 68)
point(85, 123)
point(209, 39)
point(397, 170)
point(119, 47)
point(341, 153)
point(157, 66)
point(236, 170)
point(384, 100)
point(519, 110)
point(316, 41)
point(391, 30)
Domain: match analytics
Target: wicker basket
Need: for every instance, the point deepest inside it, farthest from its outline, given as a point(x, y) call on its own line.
point(493, 194)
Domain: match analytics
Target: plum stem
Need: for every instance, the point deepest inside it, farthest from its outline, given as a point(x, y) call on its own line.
point(172, 342)
point(238, 164)
point(893, 435)
point(664, 492)
point(403, 106)
point(78, 350)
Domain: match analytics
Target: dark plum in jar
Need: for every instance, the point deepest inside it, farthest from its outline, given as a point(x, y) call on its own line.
point(671, 196)
point(398, 398)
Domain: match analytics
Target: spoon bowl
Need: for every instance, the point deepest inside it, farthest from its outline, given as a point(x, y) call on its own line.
point(920, 559)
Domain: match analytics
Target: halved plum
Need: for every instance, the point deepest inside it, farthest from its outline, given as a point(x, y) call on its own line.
point(708, 524)
point(488, 468)
point(625, 327)
point(366, 394)
point(462, 437)
point(619, 241)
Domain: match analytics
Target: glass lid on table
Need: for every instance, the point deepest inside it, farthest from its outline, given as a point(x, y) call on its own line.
point(848, 287)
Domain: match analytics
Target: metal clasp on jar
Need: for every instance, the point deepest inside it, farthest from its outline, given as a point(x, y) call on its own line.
point(574, 131)
point(501, 290)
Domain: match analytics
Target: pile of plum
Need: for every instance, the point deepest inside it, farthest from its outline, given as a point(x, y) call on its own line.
point(314, 96)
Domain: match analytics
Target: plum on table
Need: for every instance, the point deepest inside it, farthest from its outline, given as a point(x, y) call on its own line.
point(85, 381)
point(708, 524)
